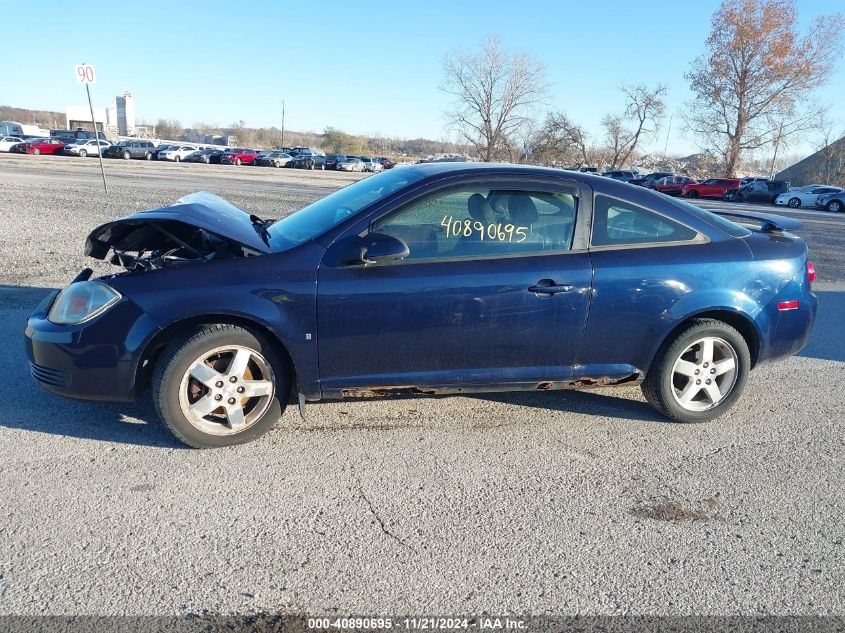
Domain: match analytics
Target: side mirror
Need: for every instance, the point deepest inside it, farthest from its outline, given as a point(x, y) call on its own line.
point(378, 247)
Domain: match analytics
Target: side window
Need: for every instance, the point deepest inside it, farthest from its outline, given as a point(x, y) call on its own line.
point(482, 222)
point(617, 223)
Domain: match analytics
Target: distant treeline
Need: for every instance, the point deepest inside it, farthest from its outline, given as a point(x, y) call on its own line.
point(42, 118)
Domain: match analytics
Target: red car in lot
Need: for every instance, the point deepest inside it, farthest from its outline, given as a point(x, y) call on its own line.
point(710, 188)
point(672, 185)
point(239, 157)
point(42, 146)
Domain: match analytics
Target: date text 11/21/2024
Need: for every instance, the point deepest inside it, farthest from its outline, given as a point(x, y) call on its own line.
point(417, 623)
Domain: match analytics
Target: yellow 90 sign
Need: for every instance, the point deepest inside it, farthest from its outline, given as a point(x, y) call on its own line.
point(494, 232)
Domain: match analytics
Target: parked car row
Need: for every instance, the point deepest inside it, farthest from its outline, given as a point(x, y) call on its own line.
point(751, 189)
point(294, 157)
point(823, 196)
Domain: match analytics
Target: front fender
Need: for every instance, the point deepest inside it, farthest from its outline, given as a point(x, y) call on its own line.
point(275, 292)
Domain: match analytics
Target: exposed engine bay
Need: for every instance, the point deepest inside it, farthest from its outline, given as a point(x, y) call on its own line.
point(154, 245)
point(200, 227)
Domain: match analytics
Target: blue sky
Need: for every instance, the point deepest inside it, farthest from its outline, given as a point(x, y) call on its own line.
point(365, 68)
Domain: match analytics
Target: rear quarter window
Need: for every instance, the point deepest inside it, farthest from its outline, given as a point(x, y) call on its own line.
point(731, 228)
point(620, 223)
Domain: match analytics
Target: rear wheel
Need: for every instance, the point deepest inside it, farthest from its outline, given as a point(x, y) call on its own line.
point(220, 385)
point(794, 203)
point(834, 206)
point(700, 373)
point(148, 156)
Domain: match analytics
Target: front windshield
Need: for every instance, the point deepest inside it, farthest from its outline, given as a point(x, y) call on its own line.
point(319, 216)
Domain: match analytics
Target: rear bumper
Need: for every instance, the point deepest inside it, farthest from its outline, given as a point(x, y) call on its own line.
point(789, 330)
point(97, 360)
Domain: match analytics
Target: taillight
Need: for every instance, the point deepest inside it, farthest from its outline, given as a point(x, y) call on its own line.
point(811, 271)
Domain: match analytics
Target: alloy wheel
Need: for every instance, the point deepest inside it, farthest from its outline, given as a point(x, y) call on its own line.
point(704, 374)
point(794, 203)
point(226, 390)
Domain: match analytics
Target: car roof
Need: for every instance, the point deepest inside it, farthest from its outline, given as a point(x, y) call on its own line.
point(434, 169)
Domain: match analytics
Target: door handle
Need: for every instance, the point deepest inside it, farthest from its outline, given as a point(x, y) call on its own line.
point(547, 287)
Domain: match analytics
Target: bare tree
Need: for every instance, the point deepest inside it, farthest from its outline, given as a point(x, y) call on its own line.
point(644, 110)
point(752, 84)
point(495, 92)
point(561, 141)
point(169, 129)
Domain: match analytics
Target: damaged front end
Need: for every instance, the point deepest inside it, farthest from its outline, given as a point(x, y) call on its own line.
point(200, 227)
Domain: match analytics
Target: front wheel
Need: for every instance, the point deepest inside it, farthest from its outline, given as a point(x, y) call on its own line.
point(126, 155)
point(82, 153)
point(834, 206)
point(177, 158)
point(700, 373)
point(220, 385)
point(794, 203)
point(692, 195)
point(36, 151)
point(238, 162)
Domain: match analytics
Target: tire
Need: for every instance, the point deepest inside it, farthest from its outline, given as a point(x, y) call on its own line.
point(206, 160)
point(36, 151)
point(238, 162)
point(794, 203)
point(692, 195)
point(322, 168)
point(177, 158)
point(83, 153)
point(126, 155)
point(668, 383)
point(178, 396)
point(148, 156)
point(834, 206)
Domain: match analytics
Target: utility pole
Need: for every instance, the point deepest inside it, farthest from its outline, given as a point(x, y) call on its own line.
point(283, 122)
point(774, 158)
point(668, 129)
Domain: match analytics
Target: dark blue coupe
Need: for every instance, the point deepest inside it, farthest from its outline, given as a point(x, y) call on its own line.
point(431, 279)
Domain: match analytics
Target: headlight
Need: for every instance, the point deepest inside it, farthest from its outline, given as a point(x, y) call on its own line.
point(82, 301)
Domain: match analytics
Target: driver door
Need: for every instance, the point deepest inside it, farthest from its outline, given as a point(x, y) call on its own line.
point(494, 291)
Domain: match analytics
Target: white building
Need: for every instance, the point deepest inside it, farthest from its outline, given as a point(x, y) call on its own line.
point(117, 119)
point(125, 107)
point(80, 117)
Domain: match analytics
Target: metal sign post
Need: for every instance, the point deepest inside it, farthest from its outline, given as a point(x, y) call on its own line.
point(85, 74)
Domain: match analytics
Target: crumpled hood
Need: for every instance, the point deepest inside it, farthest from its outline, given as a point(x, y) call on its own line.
point(201, 210)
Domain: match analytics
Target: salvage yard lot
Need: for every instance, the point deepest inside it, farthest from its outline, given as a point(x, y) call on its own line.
point(561, 503)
